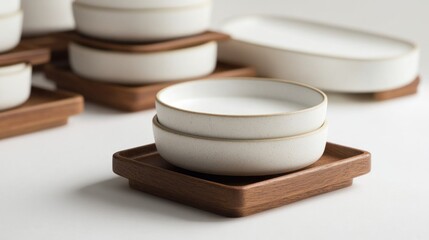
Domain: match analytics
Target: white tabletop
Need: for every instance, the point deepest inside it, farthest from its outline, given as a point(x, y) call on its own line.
point(59, 184)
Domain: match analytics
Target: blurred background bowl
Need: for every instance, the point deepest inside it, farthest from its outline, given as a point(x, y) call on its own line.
point(147, 23)
point(47, 16)
point(15, 85)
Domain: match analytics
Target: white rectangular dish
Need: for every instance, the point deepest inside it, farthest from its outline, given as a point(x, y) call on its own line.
point(327, 57)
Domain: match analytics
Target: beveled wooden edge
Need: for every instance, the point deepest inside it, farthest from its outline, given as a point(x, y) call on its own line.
point(51, 69)
point(358, 155)
point(243, 211)
point(61, 34)
point(67, 98)
point(406, 90)
point(149, 46)
point(241, 200)
point(25, 53)
point(53, 112)
point(129, 98)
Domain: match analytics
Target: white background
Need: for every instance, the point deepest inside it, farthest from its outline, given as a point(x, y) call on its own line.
point(58, 183)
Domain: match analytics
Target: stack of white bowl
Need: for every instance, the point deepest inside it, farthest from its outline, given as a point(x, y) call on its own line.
point(46, 16)
point(130, 21)
point(15, 80)
point(240, 126)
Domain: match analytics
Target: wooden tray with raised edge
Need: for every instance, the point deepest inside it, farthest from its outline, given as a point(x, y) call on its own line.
point(239, 196)
point(25, 53)
point(409, 89)
point(44, 109)
point(56, 43)
point(148, 46)
point(122, 97)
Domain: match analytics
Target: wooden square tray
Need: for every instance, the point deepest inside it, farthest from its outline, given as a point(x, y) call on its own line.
point(56, 43)
point(122, 97)
point(239, 196)
point(25, 53)
point(44, 109)
point(409, 89)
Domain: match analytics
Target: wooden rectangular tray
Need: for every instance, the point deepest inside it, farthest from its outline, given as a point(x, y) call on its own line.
point(239, 196)
point(44, 109)
point(122, 97)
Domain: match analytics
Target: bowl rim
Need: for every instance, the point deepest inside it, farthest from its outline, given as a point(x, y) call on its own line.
point(149, 9)
point(157, 124)
point(316, 90)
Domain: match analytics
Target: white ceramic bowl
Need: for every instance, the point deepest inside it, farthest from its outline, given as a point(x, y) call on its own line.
point(142, 68)
point(47, 16)
point(9, 6)
point(10, 30)
point(327, 57)
point(239, 157)
point(241, 108)
point(144, 22)
point(15, 85)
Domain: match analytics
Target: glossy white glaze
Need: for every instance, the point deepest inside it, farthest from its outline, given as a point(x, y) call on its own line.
point(241, 108)
point(15, 85)
point(140, 68)
point(327, 57)
point(239, 157)
point(141, 24)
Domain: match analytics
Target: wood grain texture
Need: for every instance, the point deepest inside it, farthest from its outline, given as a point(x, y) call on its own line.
point(57, 43)
point(122, 97)
point(409, 89)
point(25, 53)
point(148, 46)
point(44, 109)
point(239, 196)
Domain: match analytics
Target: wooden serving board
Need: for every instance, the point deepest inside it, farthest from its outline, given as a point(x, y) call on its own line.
point(44, 109)
point(147, 171)
point(25, 53)
point(122, 97)
point(148, 46)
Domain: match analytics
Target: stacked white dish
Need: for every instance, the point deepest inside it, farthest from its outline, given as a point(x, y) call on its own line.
point(240, 126)
point(132, 22)
point(15, 79)
point(47, 16)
